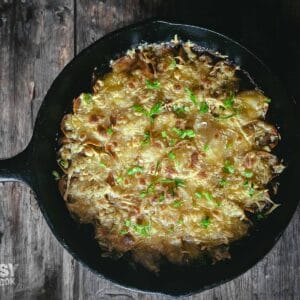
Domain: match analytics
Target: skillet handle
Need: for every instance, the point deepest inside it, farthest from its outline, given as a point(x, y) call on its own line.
point(16, 168)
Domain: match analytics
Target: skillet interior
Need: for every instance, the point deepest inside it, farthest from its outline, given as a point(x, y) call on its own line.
point(79, 240)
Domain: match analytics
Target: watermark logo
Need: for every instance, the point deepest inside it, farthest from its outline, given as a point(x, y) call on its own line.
point(7, 274)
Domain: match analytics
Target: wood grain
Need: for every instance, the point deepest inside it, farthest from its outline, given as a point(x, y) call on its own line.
point(37, 38)
point(36, 41)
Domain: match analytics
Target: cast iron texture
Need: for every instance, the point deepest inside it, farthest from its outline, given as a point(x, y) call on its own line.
point(35, 164)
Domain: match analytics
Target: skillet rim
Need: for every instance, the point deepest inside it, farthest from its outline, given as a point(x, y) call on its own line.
point(35, 186)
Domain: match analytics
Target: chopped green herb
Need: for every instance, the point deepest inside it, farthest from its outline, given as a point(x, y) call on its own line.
point(180, 221)
point(178, 182)
point(177, 203)
point(140, 109)
point(251, 191)
point(143, 194)
point(134, 170)
point(229, 145)
point(198, 195)
point(161, 198)
point(226, 117)
point(268, 100)
point(87, 98)
point(205, 147)
point(204, 108)
point(228, 102)
point(63, 163)
point(152, 85)
point(128, 223)
point(205, 222)
point(228, 167)
point(55, 175)
point(171, 155)
point(187, 133)
point(119, 180)
point(208, 196)
point(155, 109)
point(143, 230)
point(164, 134)
point(110, 131)
point(191, 95)
point(101, 164)
point(157, 166)
point(180, 109)
point(223, 182)
point(260, 216)
point(173, 64)
point(146, 139)
point(123, 232)
point(248, 173)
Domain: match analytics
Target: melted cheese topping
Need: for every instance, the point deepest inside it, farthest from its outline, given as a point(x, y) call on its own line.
point(167, 155)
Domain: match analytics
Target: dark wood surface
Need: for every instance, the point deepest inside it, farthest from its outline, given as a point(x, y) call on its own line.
point(37, 39)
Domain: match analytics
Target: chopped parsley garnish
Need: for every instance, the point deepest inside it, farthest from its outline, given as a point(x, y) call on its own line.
point(173, 64)
point(141, 229)
point(223, 182)
point(206, 147)
point(119, 180)
point(63, 163)
point(55, 175)
point(184, 133)
point(128, 223)
point(178, 182)
point(229, 145)
point(180, 221)
point(204, 108)
point(164, 134)
point(177, 203)
point(205, 222)
point(146, 139)
point(161, 198)
point(87, 98)
point(251, 191)
point(208, 196)
point(260, 216)
point(140, 109)
point(123, 232)
point(102, 164)
point(180, 109)
point(248, 173)
point(110, 131)
point(155, 110)
point(191, 95)
point(228, 167)
point(198, 195)
point(152, 85)
point(268, 100)
point(228, 102)
point(171, 155)
point(134, 170)
point(226, 117)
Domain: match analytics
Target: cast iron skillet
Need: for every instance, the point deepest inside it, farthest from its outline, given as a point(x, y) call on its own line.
point(35, 164)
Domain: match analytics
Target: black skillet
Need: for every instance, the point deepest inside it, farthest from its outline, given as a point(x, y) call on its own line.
point(35, 164)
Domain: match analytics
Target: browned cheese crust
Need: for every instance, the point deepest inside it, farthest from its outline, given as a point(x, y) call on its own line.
point(167, 155)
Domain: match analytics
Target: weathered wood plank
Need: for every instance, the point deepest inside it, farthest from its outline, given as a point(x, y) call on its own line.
point(36, 41)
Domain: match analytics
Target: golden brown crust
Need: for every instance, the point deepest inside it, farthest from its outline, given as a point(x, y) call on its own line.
point(167, 155)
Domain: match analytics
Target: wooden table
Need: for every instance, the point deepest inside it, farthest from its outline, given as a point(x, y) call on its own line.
point(37, 39)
